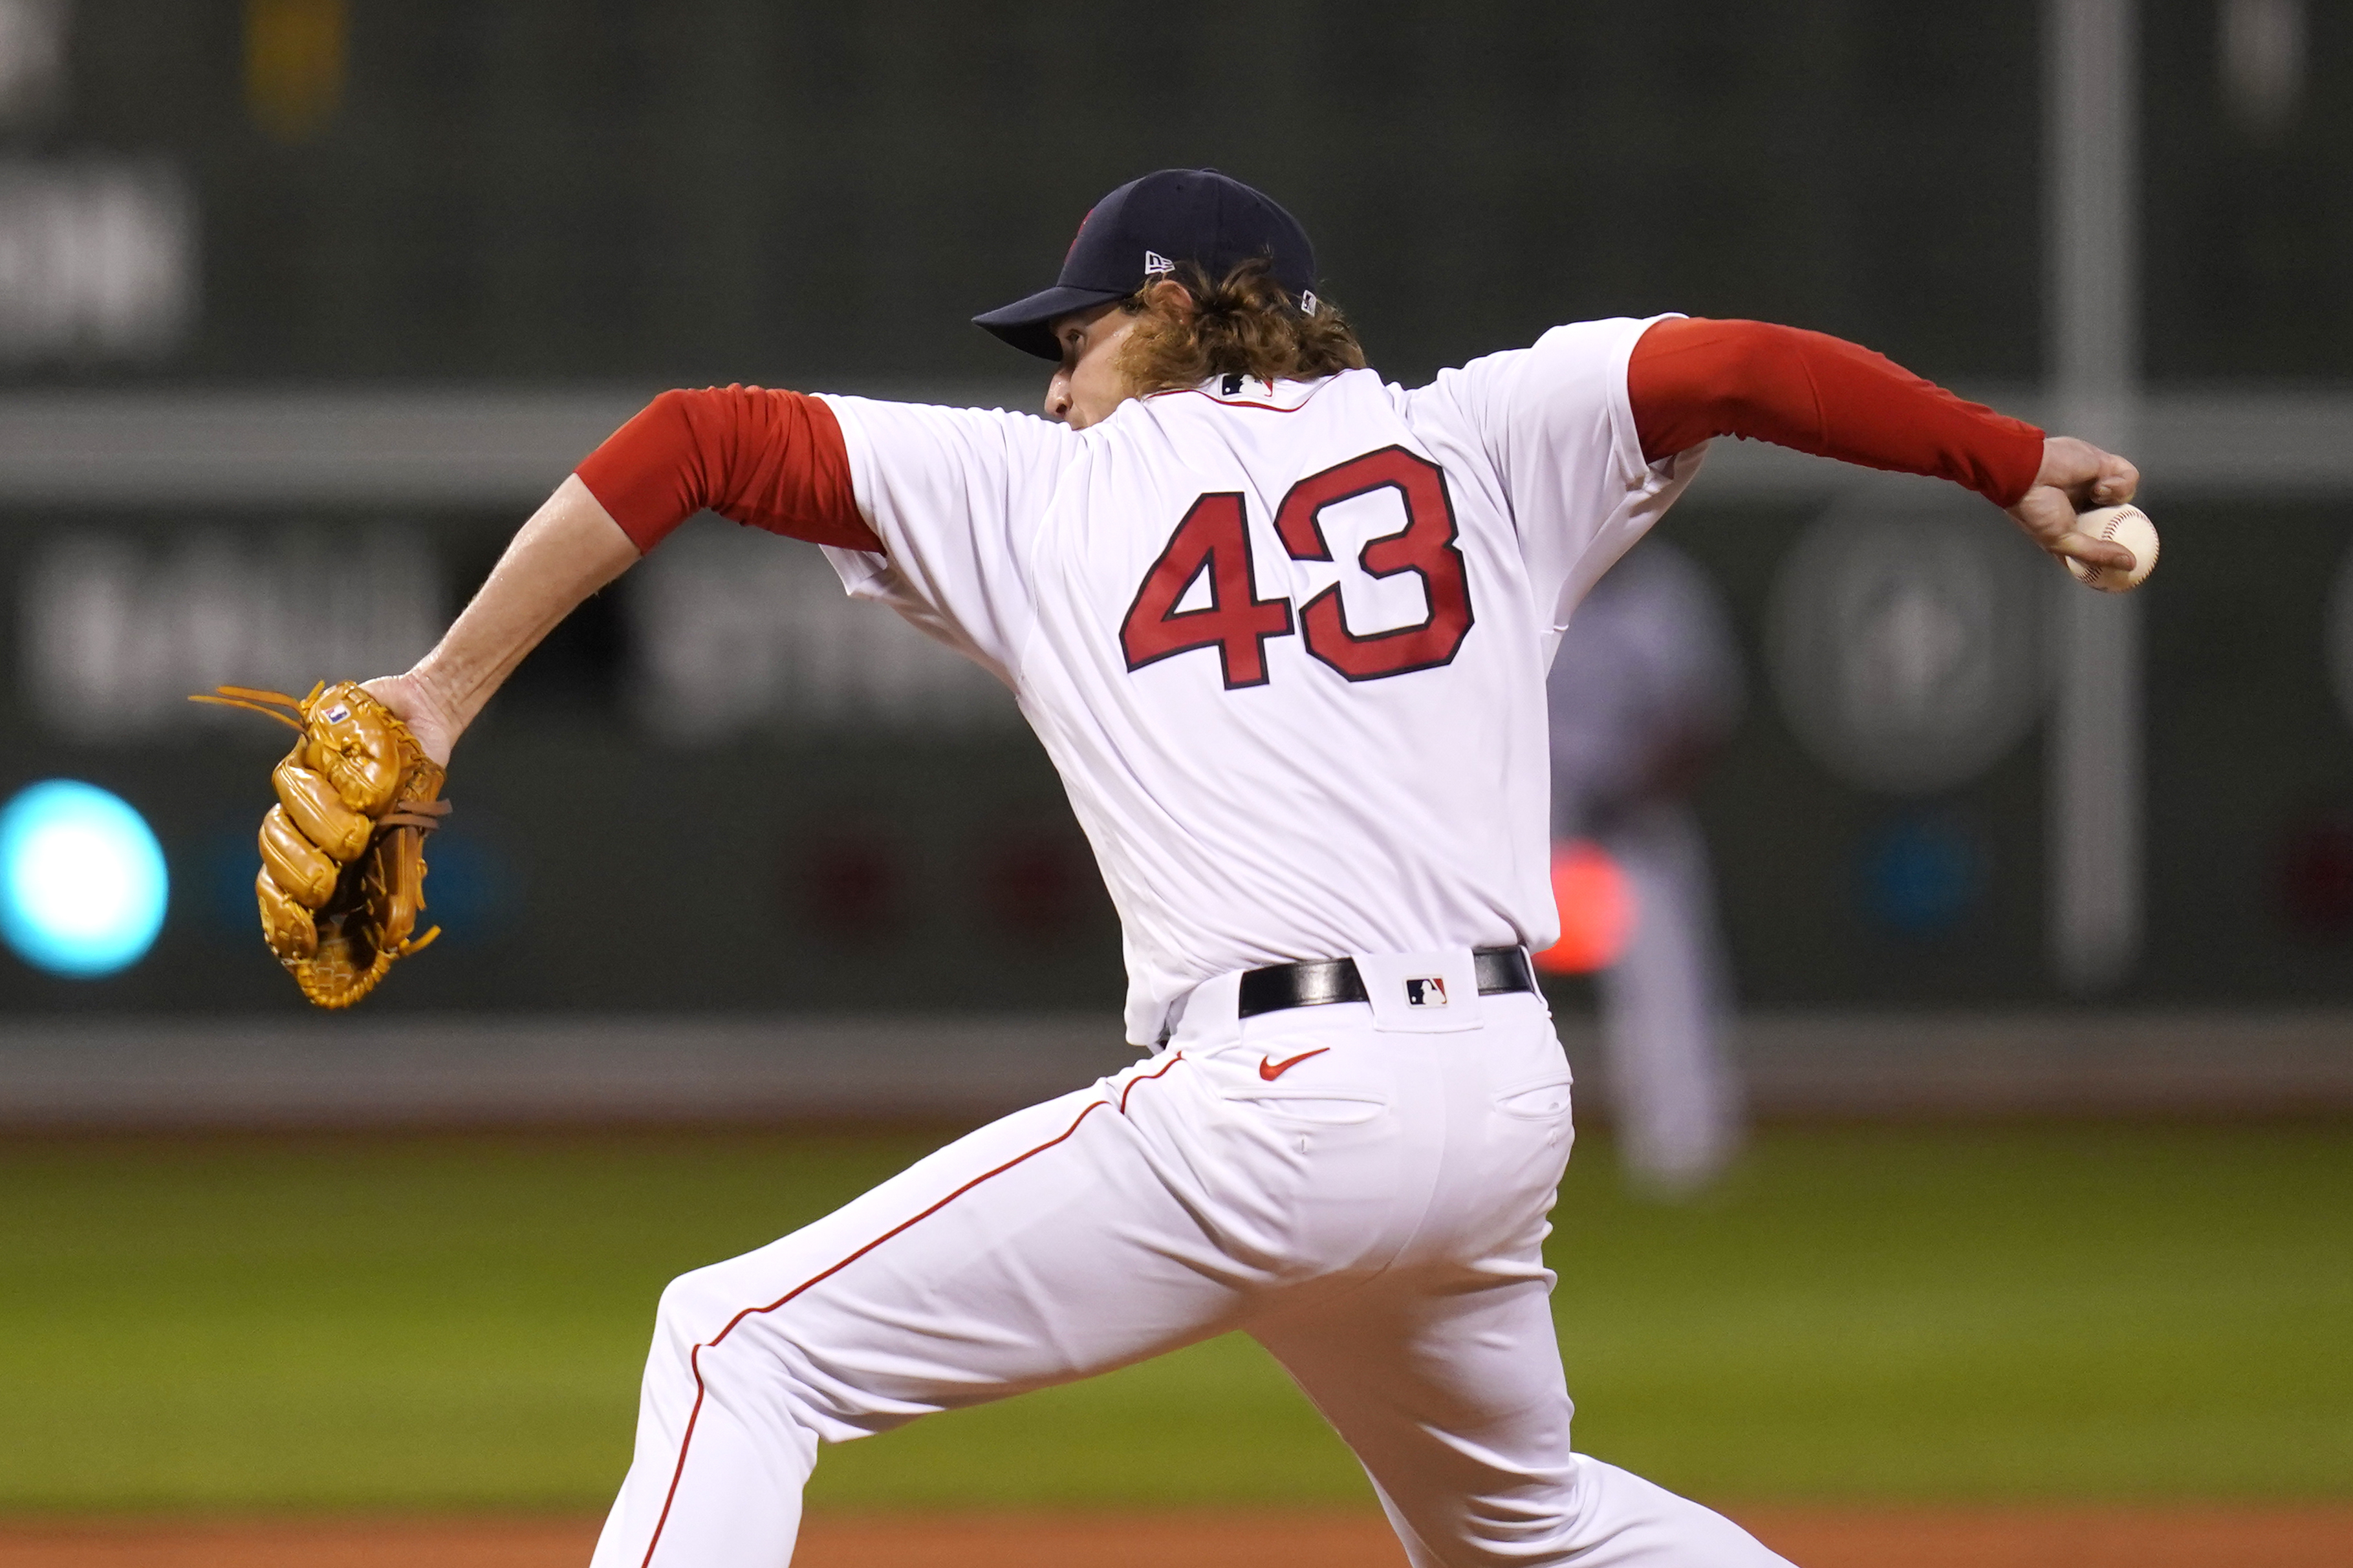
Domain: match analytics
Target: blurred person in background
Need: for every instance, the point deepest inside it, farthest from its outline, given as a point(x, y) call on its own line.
point(1644, 693)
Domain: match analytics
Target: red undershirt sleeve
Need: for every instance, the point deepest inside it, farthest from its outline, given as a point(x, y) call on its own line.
point(1691, 379)
point(765, 459)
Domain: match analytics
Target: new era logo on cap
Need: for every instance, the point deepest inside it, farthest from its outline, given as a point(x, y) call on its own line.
point(1154, 262)
point(1425, 993)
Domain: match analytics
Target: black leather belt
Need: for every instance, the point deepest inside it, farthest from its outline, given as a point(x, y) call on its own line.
point(1316, 983)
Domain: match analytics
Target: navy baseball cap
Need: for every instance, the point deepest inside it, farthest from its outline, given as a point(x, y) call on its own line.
point(1144, 229)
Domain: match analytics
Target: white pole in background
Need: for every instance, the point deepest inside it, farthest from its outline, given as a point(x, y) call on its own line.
point(2093, 235)
point(2092, 194)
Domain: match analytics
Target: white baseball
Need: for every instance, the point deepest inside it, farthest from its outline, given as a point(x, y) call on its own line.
point(2125, 525)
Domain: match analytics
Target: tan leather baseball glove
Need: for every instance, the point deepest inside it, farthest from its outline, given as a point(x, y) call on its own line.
point(343, 864)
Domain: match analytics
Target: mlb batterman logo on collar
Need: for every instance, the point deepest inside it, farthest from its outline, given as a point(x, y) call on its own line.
point(1146, 228)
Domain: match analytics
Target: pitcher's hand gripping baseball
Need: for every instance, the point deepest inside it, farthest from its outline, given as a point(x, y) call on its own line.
point(343, 865)
point(2077, 510)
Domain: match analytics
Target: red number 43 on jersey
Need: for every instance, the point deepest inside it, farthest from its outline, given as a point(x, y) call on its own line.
point(1213, 541)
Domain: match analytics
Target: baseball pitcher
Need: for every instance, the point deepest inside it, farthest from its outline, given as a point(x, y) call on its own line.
point(1283, 628)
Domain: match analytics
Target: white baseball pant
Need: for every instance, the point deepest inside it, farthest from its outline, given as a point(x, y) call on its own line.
point(1370, 1203)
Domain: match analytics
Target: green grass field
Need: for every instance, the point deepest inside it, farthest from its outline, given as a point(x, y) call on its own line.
point(2026, 1312)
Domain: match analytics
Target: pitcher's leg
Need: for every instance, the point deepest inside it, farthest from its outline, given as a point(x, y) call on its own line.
point(754, 1441)
point(1450, 1393)
point(754, 1446)
point(1625, 1521)
point(1456, 1408)
point(1043, 1248)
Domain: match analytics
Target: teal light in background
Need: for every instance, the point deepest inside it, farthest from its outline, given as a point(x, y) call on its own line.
point(82, 883)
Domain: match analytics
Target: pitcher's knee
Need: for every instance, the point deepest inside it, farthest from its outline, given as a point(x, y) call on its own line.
point(700, 1306)
point(738, 1356)
point(677, 1315)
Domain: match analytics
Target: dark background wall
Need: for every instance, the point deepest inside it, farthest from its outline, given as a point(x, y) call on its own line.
point(720, 188)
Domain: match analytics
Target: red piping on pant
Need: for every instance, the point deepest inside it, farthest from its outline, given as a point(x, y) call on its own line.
point(694, 1357)
point(1147, 1078)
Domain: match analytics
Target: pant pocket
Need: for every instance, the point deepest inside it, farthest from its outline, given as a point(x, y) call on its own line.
point(1321, 1109)
point(1546, 1099)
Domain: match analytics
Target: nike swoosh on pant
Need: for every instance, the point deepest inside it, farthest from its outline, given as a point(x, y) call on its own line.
point(1271, 1069)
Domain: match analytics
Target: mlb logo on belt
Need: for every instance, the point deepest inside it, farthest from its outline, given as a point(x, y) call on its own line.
point(1429, 992)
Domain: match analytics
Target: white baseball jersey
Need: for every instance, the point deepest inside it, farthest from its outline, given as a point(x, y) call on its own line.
point(1217, 603)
